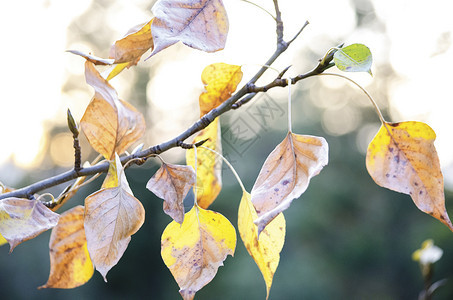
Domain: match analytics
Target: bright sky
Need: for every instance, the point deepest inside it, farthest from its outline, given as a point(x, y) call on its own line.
point(35, 66)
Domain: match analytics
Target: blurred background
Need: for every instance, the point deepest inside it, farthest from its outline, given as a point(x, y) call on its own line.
point(347, 238)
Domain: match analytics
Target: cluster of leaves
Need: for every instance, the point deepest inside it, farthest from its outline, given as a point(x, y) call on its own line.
point(401, 157)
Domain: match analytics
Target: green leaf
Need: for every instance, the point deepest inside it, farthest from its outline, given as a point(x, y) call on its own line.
point(354, 58)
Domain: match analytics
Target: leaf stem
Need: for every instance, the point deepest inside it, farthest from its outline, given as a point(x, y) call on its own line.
point(229, 165)
point(195, 186)
point(289, 105)
point(263, 9)
point(376, 107)
point(262, 66)
point(44, 195)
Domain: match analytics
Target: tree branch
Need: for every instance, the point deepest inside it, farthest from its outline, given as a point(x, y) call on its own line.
point(249, 90)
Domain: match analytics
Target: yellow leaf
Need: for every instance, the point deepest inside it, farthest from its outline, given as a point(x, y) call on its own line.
point(200, 24)
point(2, 240)
point(286, 173)
point(209, 166)
point(110, 124)
point(402, 157)
point(220, 81)
point(70, 263)
point(112, 215)
point(111, 179)
point(130, 48)
point(265, 250)
point(115, 71)
point(194, 250)
point(172, 183)
point(23, 219)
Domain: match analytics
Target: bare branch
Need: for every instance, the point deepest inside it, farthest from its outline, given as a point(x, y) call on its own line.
point(249, 90)
point(298, 33)
point(278, 20)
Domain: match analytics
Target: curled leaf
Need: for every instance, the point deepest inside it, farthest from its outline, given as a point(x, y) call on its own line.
point(354, 58)
point(200, 24)
point(110, 124)
point(286, 173)
point(69, 191)
point(130, 48)
point(70, 263)
point(172, 183)
point(195, 249)
point(112, 215)
point(220, 81)
point(93, 59)
point(265, 250)
point(209, 166)
point(23, 219)
point(402, 158)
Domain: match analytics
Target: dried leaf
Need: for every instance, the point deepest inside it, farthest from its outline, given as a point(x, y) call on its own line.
point(266, 250)
point(130, 48)
point(110, 125)
point(5, 189)
point(286, 174)
point(402, 157)
point(194, 250)
point(209, 166)
point(93, 59)
point(23, 219)
point(220, 81)
point(70, 263)
point(200, 24)
point(63, 198)
point(172, 183)
point(112, 215)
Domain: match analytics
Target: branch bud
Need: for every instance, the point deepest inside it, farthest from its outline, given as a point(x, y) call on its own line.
point(72, 125)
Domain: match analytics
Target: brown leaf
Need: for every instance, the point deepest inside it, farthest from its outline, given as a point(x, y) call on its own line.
point(220, 81)
point(172, 183)
point(130, 48)
point(110, 125)
point(66, 195)
point(112, 215)
point(70, 263)
point(209, 165)
point(200, 24)
point(286, 173)
point(402, 157)
point(23, 219)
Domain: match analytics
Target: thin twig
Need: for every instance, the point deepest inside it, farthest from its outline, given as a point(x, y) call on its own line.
point(75, 135)
point(190, 146)
point(298, 33)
